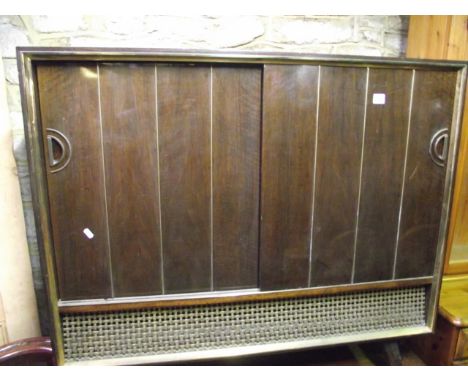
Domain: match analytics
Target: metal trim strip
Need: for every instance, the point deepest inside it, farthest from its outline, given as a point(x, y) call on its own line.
point(239, 56)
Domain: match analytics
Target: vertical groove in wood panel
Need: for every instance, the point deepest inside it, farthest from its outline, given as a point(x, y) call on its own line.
point(404, 175)
point(424, 189)
point(317, 112)
point(184, 139)
point(130, 155)
point(211, 181)
point(236, 150)
point(163, 289)
point(289, 117)
point(69, 104)
point(360, 177)
point(383, 167)
point(104, 183)
point(339, 133)
point(260, 175)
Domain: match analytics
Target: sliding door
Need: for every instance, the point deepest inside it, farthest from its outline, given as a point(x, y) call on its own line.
point(153, 176)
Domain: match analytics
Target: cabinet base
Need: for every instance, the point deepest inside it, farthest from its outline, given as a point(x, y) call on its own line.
point(210, 331)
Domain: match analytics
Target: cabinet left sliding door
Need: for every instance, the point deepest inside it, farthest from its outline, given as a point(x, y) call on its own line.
point(72, 137)
point(153, 177)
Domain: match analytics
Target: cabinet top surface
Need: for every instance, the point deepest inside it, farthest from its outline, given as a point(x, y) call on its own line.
point(219, 56)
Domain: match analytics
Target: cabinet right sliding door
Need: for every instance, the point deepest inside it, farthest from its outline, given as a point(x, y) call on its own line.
point(353, 173)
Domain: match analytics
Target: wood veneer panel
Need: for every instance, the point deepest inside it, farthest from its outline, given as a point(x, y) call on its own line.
point(69, 103)
point(382, 173)
point(236, 160)
point(339, 142)
point(289, 122)
point(424, 184)
point(185, 175)
point(130, 155)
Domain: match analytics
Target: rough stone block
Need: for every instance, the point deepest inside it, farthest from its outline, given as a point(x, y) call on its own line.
point(11, 70)
point(46, 40)
point(230, 32)
point(373, 22)
point(196, 28)
point(394, 42)
point(358, 49)
point(309, 31)
point(11, 37)
point(124, 25)
point(20, 154)
point(16, 123)
point(29, 220)
point(11, 20)
point(13, 97)
point(398, 24)
point(372, 35)
point(63, 23)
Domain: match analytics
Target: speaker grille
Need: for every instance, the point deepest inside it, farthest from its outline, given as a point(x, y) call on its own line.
point(91, 336)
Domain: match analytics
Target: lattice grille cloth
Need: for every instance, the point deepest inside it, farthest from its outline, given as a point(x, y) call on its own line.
point(90, 336)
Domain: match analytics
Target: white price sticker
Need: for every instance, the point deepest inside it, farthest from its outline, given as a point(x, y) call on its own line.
point(378, 99)
point(88, 233)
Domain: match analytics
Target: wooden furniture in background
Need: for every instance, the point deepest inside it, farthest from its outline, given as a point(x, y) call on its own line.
point(30, 351)
point(448, 345)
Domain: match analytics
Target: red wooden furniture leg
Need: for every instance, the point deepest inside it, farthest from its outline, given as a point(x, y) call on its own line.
point(29, 351)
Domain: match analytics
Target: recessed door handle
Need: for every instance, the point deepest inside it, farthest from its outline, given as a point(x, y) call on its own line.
point(59, 150)
point(438, 148)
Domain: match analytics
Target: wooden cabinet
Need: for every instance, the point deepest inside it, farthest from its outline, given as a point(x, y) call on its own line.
point(165, 180)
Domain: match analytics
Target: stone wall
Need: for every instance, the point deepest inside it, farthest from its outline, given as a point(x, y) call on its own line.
point(357, 35)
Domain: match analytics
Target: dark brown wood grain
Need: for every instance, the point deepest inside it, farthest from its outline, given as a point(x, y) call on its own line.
point(236, 160)
point(289, 117)
point(185, 165)
point(424, 182)
point(128, 103)
point(339, 142)
point(382, 173)
point(68, 96)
